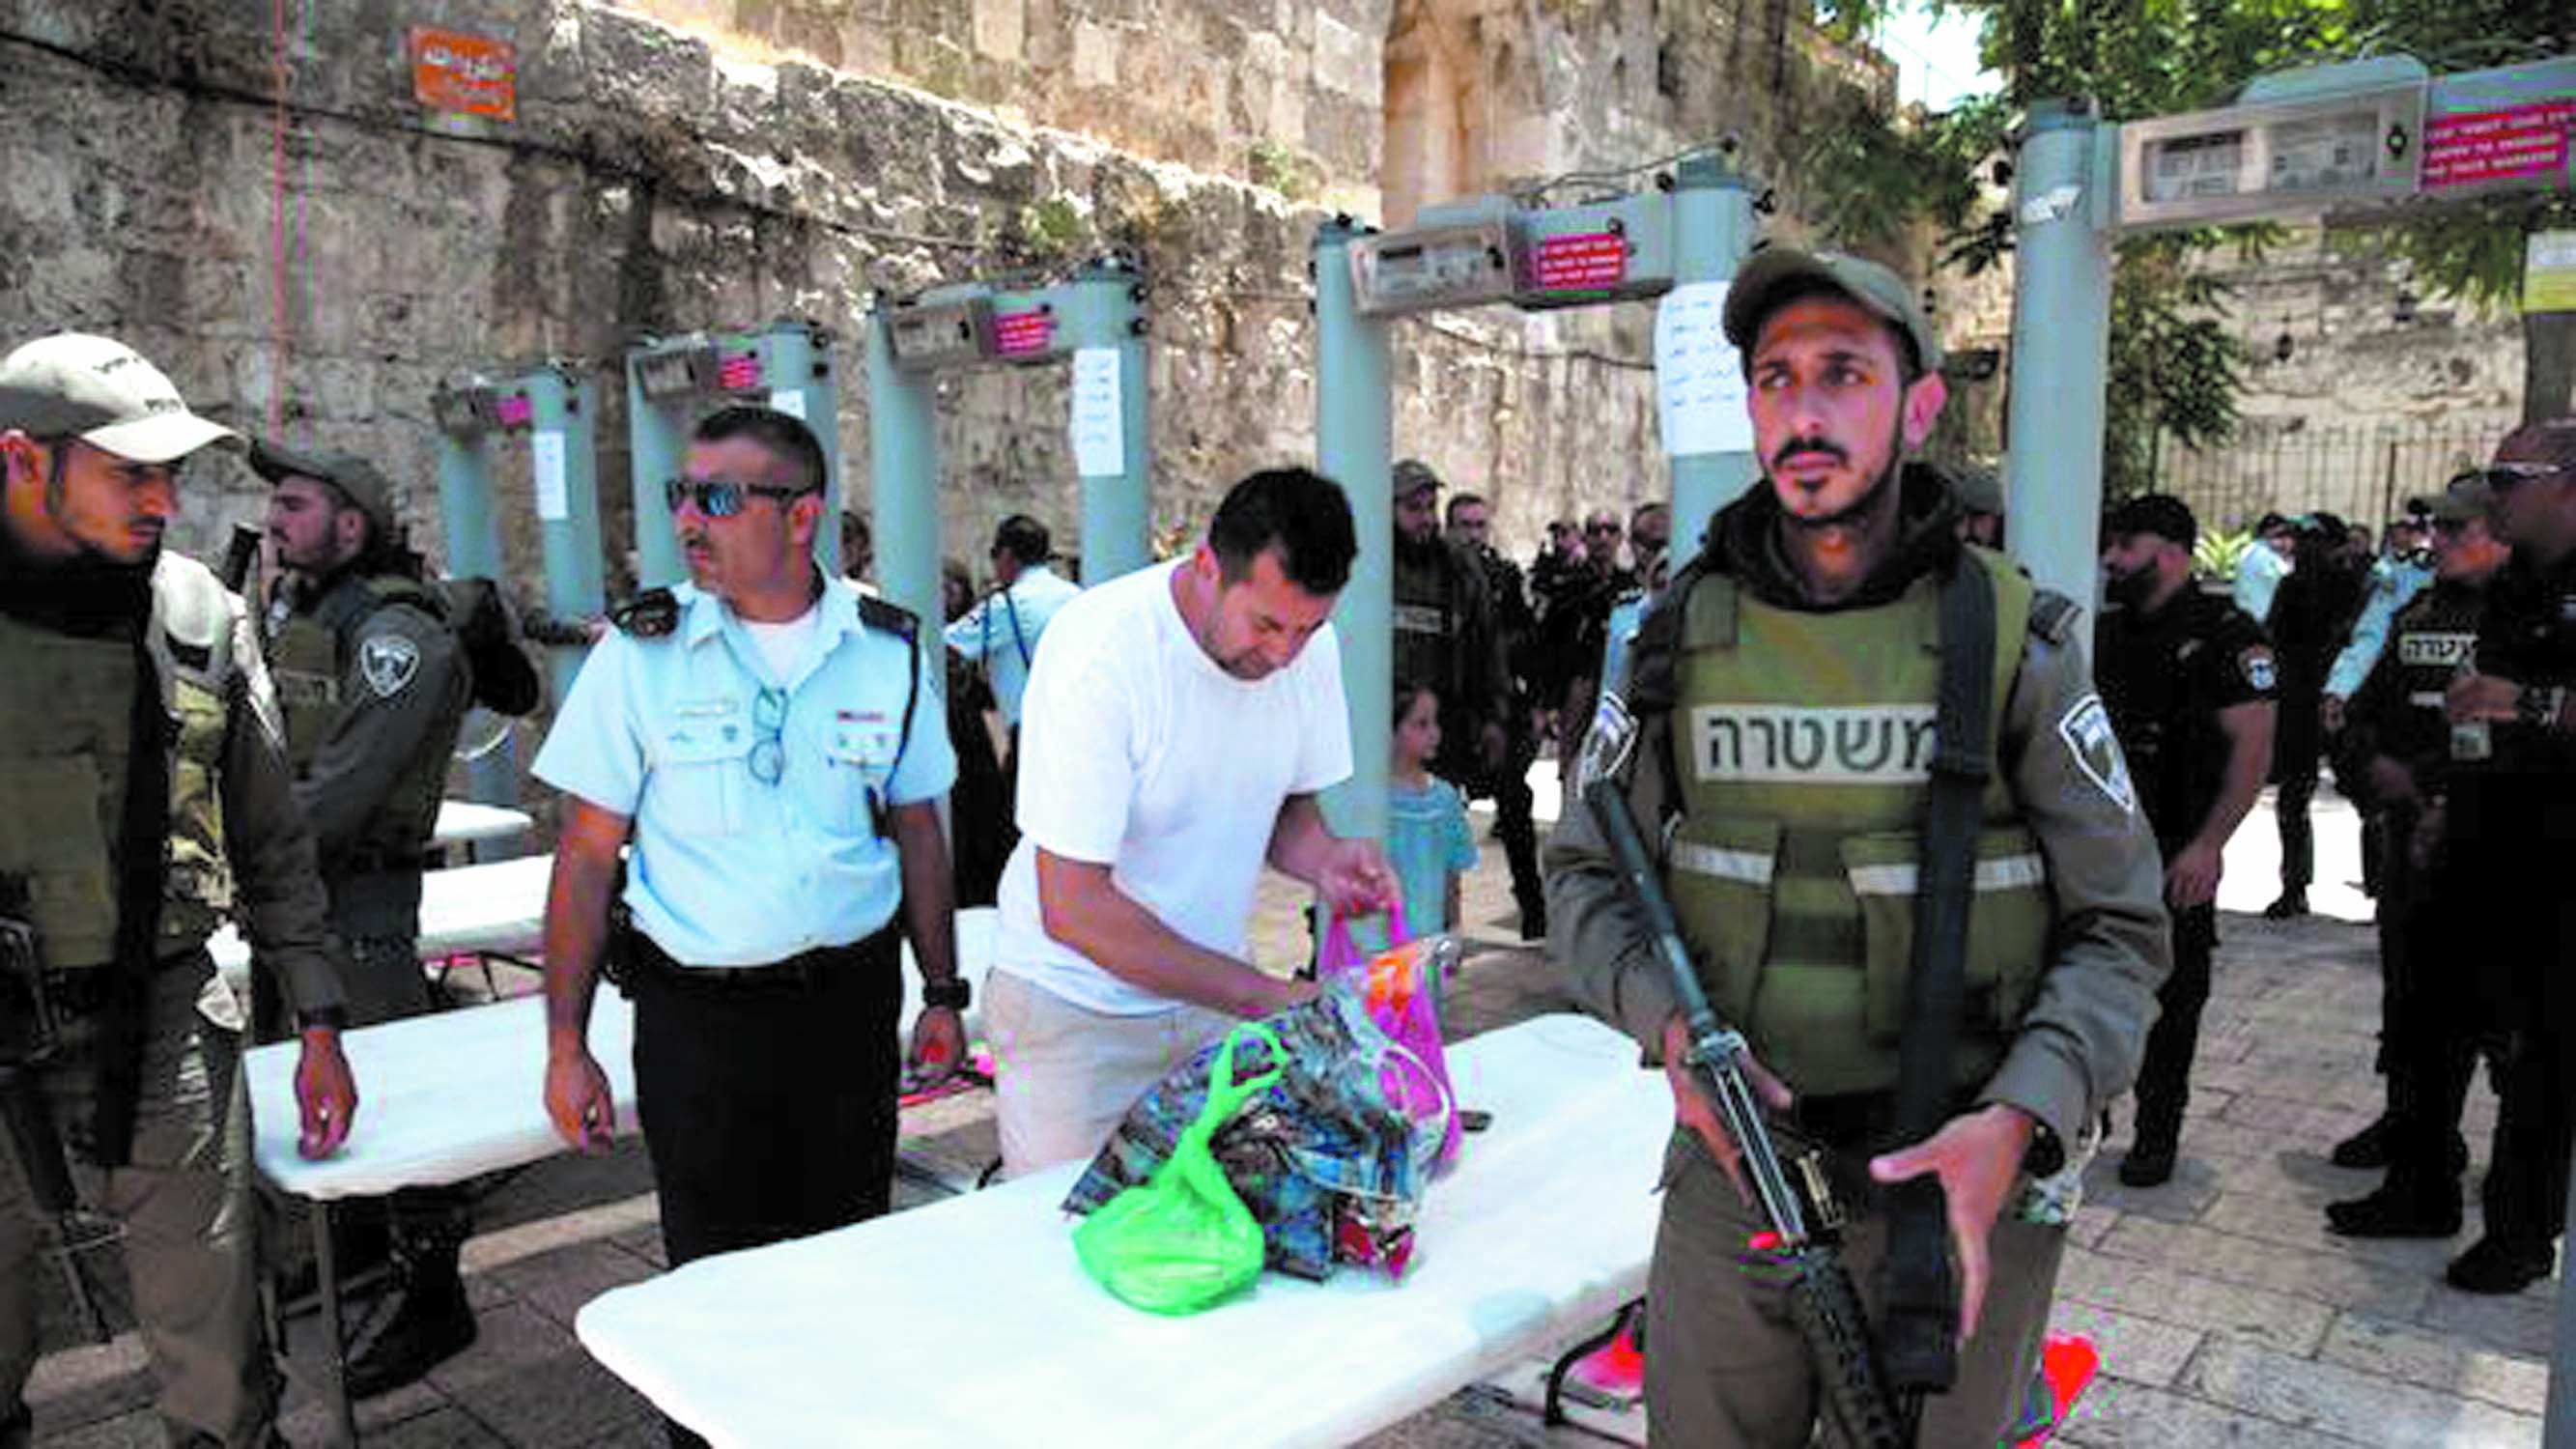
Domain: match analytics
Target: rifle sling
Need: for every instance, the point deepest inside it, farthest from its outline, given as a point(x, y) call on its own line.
point(1917, 1338)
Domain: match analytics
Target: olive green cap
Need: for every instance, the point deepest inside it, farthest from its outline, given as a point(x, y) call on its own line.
point(1777, 275)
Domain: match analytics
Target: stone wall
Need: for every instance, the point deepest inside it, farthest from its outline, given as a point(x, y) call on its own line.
point(1262, 90)
point(656, 181)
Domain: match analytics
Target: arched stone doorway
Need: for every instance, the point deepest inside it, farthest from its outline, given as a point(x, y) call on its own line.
point(1465, 104)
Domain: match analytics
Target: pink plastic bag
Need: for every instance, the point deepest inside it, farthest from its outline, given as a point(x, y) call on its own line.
point(1400, 986)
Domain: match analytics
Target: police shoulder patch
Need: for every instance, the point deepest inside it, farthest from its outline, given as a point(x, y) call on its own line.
point(1608, 745)
point(389, 661)
point(2086, 729)
point(2261, 670)
point(892, 618)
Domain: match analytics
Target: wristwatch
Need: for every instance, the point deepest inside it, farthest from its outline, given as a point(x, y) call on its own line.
point(952, 992)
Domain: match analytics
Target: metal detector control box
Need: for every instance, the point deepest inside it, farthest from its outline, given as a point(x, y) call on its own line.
point(473, 406)
point(972, 324)
point(943, 327)
point(1484, 249)
point(703, 364)
point(2317, 155)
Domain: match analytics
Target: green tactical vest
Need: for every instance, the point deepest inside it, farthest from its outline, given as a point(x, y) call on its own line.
point(198, 621)
point(1802, 744)
point(65, 741)
point(308, 660)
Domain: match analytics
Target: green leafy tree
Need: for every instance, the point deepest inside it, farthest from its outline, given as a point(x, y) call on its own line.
point(2174, 370)
point(2474, 252)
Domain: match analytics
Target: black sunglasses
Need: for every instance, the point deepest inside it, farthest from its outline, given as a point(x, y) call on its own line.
point(721, 497)
point(2503, 476)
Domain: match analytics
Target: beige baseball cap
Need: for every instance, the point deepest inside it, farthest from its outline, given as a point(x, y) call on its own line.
point(97, 389)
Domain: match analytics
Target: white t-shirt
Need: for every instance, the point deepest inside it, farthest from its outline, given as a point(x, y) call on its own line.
point(782, 645)
point(1140, 753)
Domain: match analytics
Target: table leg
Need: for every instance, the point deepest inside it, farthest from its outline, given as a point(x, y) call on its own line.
point(326, 1271)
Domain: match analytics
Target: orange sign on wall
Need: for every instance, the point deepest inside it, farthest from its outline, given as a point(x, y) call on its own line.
point(470, 74)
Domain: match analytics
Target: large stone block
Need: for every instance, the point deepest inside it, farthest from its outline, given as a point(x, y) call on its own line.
point(1346, 61)
point(1000, 29)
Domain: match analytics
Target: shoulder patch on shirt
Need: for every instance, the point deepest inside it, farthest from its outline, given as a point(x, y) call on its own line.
point(1608, 744)
point(2086, 728)
point(390, 662)
point(652, 614)
point(2053, 616)
point(2259, 668)
point(891, 618)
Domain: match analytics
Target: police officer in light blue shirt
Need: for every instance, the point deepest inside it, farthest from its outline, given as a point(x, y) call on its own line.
point(2395, 579)
point(773, 744)
point(1002, 631)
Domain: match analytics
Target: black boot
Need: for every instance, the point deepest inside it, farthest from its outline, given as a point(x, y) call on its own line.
point(429, 1324)
point(362, 1250)
point(1533, 917)
point(2492, 1265)
point(2150, 1162)
point(2367, 1147)
point(2399, 1210)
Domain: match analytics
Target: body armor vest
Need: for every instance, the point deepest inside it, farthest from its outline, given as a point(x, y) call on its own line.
point(1802, 745)
point(1426, 643)
point(309, 660)
point(2427, 642)
point(65, 751)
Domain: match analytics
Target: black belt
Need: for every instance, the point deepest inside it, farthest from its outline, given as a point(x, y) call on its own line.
point(801, 974)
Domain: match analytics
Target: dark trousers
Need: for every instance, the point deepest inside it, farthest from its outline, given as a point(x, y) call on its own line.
point(2290, 806)
point(1515, 829)
point(769, 1108)
point(2164, 1077)
point(2429, 1038)
point(2397, 887)
point(2504, 926)
point(2525, 1196)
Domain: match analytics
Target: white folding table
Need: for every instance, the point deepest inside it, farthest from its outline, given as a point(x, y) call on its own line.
point(471, 823)
point(846, 1338)
point(457, 1094)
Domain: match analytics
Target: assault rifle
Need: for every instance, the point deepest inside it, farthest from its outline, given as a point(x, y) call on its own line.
point(1802, 1216)
point(241, 555)
point(29, 1122)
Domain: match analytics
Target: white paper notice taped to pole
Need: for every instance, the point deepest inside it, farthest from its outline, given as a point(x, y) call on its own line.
point(789, 400)
point(1699, 385)
point(546, 453)
point(1099, 414)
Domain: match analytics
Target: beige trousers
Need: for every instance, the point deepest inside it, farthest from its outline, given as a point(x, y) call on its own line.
point(1725, 1368)
point(185, 1204)
point(1063, 1075)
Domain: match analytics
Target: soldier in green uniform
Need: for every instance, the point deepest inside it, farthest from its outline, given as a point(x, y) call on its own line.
point(374, 687)
point(143, 793)
point(1776, 737)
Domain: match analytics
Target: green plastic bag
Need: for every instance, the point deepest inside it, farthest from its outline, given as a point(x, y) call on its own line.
point(1182, 1239)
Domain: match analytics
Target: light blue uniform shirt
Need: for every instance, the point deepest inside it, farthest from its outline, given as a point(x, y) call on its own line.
point(730, 868)
point(1003, 631)
point(2394, 583)
point(2258, 578)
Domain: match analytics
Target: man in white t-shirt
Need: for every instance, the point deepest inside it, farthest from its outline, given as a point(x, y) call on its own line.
point(1179, 723)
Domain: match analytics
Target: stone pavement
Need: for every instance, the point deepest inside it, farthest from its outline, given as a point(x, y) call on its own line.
point(2225, 1313)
